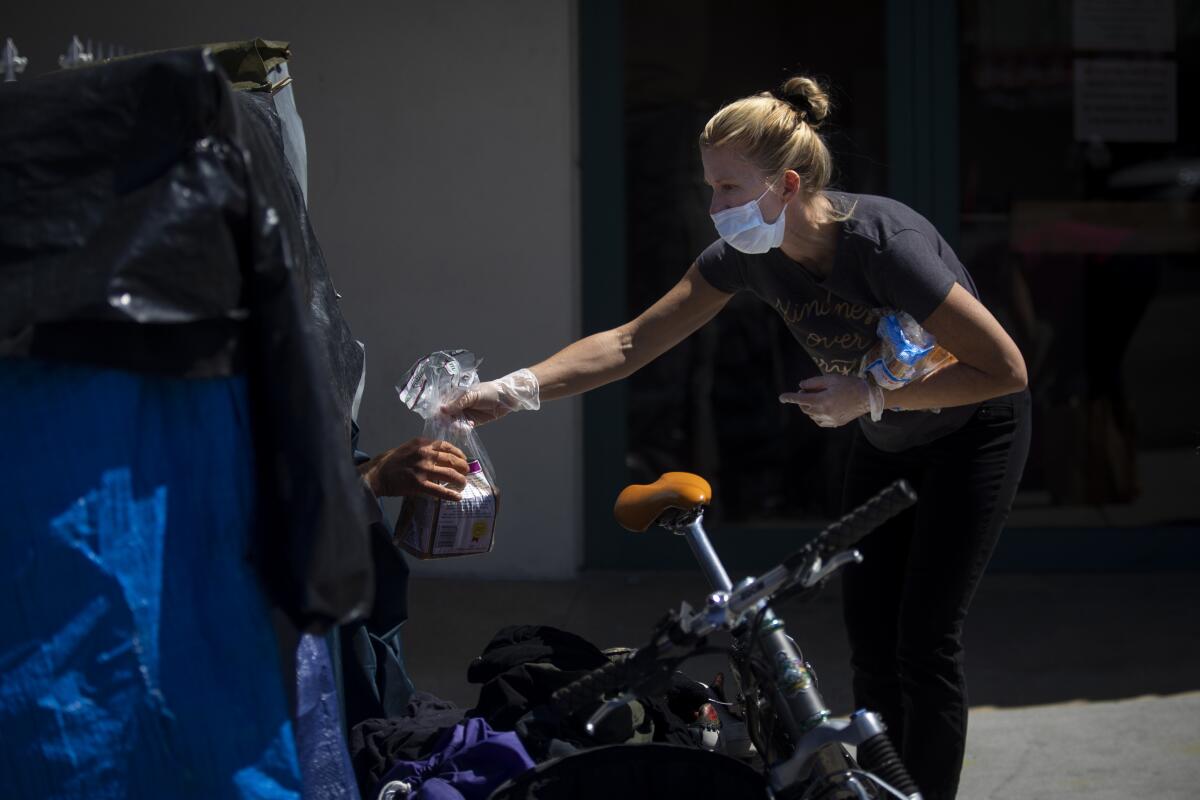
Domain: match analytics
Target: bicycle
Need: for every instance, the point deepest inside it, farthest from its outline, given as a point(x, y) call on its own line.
point(801, 745)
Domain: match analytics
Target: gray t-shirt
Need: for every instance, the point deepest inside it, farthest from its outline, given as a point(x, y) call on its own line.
point(888, 256)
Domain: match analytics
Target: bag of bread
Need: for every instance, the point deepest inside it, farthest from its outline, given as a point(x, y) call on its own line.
point(905, 352)
point(434, 528)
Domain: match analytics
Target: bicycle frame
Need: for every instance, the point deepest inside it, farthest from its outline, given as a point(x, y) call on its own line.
point(807, 758)
point(792, 688)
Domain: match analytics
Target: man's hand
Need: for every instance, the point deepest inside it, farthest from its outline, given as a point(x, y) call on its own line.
point(831, 400)
point(417, 467)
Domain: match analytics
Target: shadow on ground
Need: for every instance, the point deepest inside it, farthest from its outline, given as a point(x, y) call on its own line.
point(1031, 639)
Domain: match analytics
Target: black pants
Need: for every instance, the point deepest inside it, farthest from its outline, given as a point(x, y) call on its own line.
point(905, 604)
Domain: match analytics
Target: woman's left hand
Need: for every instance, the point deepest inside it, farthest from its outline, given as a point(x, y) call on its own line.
point(831, 400)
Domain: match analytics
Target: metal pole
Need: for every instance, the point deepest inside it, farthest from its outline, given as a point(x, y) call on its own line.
point(714, 570)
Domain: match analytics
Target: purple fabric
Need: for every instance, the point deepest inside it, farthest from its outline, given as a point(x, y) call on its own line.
point(468, 763)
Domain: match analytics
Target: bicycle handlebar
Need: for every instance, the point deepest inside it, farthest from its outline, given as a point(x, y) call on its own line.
point(854, 526)
point(612, 677)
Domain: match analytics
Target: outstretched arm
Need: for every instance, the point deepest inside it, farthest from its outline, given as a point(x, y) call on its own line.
point(602, 357)
point(618, 353)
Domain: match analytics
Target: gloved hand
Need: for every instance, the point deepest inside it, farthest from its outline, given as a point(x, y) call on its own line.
point(833, 400)
point(491, 400)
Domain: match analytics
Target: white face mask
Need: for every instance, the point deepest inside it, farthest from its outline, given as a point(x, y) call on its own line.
point(743, 227)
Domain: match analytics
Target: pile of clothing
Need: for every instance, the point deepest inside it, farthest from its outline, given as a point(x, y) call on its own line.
point(510, 745)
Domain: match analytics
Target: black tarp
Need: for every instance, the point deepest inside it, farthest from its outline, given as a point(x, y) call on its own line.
point(147, 223)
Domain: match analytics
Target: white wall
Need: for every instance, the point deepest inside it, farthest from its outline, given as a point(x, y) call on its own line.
point(443, 186)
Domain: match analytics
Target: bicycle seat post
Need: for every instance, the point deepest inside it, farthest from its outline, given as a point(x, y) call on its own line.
point(676, 501)
point(710, 562)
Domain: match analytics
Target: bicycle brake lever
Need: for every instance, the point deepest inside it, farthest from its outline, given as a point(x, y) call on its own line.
point(820, 570)
point(603, 711)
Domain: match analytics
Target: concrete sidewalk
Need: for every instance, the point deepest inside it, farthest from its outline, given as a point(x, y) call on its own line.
point(1082, 686)
point(1145, 747)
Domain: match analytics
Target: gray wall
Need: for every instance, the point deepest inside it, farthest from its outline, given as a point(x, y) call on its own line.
point(443, 185)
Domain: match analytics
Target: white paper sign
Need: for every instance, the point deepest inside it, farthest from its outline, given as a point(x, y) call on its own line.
point(1129, 25)
point(1125, 100)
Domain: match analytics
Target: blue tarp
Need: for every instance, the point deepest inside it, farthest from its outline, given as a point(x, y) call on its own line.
point(137, 656)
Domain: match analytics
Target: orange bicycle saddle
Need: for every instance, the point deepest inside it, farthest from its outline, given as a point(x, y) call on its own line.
point(638, 506)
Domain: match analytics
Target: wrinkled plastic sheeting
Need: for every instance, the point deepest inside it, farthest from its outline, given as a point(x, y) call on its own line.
point(121, 195)
point(342, 353)
point(137, 654)
point(123, 535)
point(324, 758)
point(148, 222)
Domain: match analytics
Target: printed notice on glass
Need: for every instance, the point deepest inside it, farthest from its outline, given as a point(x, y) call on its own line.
point(1124, 100)
point(1129, 25)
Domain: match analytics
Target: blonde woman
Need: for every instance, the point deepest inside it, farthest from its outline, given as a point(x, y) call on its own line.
point(827, 262)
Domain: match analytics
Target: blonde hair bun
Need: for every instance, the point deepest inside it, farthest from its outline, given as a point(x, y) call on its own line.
point(777, 131)
point(809, 99)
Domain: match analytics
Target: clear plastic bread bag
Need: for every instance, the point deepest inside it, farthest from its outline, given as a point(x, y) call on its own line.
point(432, 528)
point(906, 352)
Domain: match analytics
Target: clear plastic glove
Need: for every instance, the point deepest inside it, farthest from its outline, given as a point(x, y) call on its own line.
point(492, 400)
point(833, 400)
